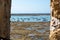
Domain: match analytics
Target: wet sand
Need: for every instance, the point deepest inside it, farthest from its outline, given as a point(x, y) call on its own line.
point(30, 30)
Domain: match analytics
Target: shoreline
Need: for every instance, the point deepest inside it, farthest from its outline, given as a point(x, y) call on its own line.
point(30, 30)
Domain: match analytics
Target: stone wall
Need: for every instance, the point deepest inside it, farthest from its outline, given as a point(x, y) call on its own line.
point(5, 6)
point(55, 20)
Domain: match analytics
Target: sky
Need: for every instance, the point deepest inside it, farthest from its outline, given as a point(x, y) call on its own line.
point(30, 6)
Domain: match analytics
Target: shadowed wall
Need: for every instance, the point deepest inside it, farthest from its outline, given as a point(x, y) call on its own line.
point(5, 7)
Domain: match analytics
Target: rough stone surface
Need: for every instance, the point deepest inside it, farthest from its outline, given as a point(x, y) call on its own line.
point(5, 6)
point(55, 19)
point(55, 35)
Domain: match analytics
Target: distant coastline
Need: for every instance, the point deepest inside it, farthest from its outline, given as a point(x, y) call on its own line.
point(36, 14)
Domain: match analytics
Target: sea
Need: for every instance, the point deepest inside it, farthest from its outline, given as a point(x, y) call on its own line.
point(25, 18)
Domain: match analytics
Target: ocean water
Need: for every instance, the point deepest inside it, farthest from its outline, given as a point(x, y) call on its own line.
point(41, 18)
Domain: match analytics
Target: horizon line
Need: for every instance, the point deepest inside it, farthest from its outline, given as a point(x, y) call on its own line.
point(28, 14)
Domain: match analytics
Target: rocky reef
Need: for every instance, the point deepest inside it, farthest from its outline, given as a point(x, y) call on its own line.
point(29, 30)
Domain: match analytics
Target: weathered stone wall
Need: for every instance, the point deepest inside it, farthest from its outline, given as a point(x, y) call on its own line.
point(55, 19)
point(5, 7)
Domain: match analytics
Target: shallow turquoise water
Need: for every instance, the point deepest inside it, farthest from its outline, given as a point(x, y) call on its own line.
point(42, 18)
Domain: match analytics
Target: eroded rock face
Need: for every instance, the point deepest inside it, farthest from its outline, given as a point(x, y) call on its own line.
point(55, 35)
point(55, 19)
point(55, 8)
point(5, 6)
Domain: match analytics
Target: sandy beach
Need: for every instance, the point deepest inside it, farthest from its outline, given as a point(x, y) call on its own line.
point(29, 30)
